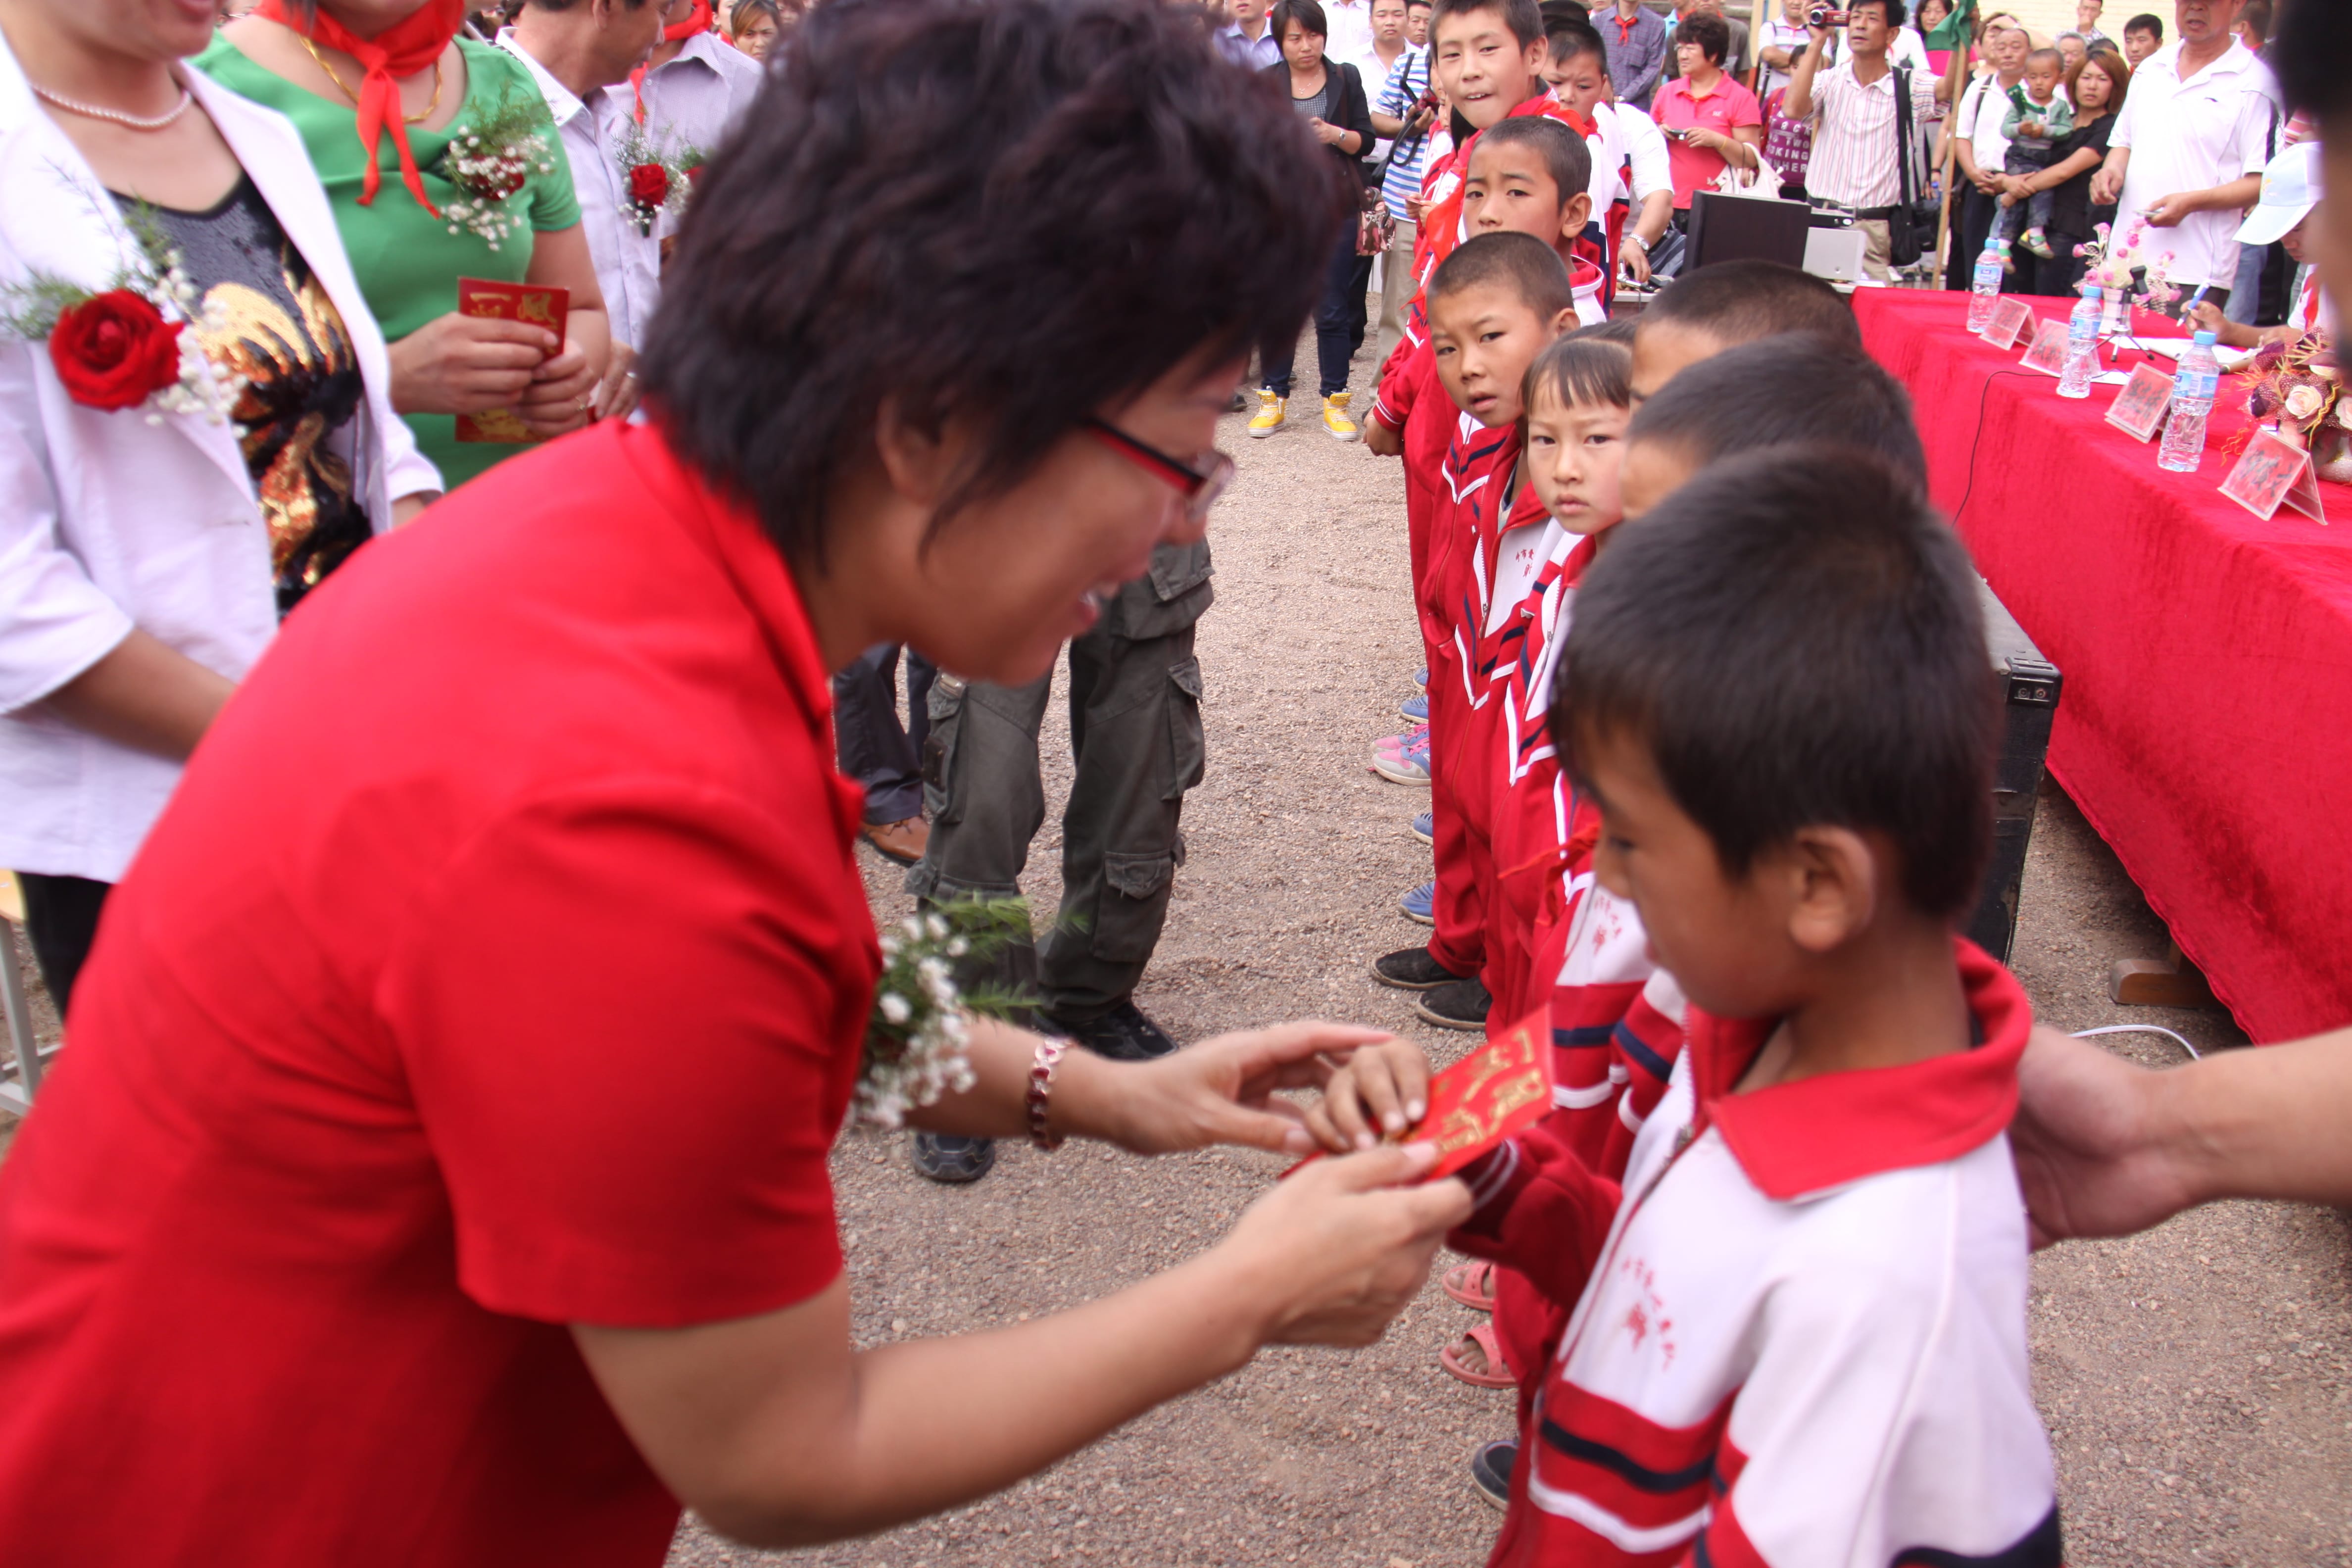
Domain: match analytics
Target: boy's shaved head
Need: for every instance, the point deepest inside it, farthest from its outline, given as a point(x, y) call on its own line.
point(1521, 263)
point(1819, 391)
point(1740, 301)
point(1563, 154)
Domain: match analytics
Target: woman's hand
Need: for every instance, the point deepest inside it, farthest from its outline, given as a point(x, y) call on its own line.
point(1335, 1252)
point(465, 364)
point(1381, 1092)
point(1219, 1092)
point(558, 399)
point(1325, 131)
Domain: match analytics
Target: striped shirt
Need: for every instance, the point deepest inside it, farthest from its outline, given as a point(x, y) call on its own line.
point(1408, 79)
point(1854, 136)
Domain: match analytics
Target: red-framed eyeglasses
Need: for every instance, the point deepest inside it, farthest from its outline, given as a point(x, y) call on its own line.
point(1202, 480)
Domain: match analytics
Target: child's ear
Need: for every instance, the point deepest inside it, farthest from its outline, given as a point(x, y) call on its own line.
point(1832, 883)
point(1567, 322)
point(1575, 215)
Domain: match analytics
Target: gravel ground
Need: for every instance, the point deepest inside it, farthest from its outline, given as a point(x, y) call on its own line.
point(2194, 1378)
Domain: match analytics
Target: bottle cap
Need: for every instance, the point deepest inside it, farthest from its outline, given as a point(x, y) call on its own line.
point(2205, 339)
point(2091, 292)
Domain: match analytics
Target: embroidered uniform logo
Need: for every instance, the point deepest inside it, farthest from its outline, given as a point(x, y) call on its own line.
point(1645, 1318)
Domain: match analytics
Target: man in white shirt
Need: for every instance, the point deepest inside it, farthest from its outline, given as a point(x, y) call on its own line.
point(1981, 149)
point(573, 49)
point(696, 88)
point(1350, 39)
point(1856, 146)
point(1249, 42)
point(2188, 151)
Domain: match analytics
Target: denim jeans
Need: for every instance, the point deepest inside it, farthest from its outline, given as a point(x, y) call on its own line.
point(1337, 322)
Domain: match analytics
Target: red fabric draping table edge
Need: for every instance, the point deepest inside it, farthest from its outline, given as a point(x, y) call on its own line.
point(2207, 654)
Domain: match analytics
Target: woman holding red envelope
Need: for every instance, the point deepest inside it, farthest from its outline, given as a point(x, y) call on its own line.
point(381, 89)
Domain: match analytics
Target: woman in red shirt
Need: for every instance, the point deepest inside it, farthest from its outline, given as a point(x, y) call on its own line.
point(437, 1174)
point(1710, 120)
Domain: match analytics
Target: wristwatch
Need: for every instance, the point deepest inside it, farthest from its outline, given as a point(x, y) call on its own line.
point(1632, 238)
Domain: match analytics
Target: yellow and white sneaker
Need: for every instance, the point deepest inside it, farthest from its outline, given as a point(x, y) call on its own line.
point(1268, 418)
point(1335, 416)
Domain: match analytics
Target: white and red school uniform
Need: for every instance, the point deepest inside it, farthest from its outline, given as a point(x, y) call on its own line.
point(1629, 162)
point(1799, 1332)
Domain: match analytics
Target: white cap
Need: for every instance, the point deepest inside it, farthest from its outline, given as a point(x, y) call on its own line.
point(2290, 190)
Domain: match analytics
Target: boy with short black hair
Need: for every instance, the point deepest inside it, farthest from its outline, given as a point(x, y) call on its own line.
point(1800, 1331)
point(1514, 187)
point(1699, 315)
point(1632, 182)
point(2142, 35)
point(2037, 119)
point(1818, 388)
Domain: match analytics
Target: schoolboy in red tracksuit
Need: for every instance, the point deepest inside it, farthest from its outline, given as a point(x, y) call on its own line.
point(1544, 147)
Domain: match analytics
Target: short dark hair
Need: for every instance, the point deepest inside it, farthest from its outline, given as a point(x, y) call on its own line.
point(2315, 59)
point(2149, 23)
point(1014, 213)
point(1895, 13)
point(1801, 387)
point(1306, 13)
point(2051, 55)
point(2258, 16)
point(1521, 17)
point(1796, 637)
point(1572, 39)
point(1616, 330)
point(1739, 301)
point(1582, 368)
point(1567, 157)
point(1710, 32)
point(1531, 269)
point(1424, 5)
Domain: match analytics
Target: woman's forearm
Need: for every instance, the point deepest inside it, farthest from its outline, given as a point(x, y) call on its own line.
point(144, 695)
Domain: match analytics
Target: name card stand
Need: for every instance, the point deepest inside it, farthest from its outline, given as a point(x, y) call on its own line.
point(2274, 471)
point(2048, 354)
point(2008, 321)
point(2139, 406)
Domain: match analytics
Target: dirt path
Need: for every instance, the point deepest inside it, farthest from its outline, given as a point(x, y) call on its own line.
point(2195, 1378)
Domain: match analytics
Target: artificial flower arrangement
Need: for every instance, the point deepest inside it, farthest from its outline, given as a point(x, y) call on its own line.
point(919, 1037)
point(127, 345)
point(657, 179)
point(2114, 263)
point(2296, 389)
point(490, 159)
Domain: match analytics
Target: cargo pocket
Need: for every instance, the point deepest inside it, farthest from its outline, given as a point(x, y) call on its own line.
point(946, 709)
point(1186, 748)
point(1134, 903)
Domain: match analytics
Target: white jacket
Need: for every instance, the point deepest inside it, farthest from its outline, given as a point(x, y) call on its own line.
point(109, 523)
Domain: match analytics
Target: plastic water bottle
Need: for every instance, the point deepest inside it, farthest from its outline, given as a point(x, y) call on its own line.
point(2193, 388)
point(1985, 292)
point(2082, 347)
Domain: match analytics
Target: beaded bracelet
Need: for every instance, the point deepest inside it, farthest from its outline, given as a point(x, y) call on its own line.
point(1041, 1092)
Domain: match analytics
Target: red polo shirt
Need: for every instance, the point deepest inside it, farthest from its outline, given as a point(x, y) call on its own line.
point(500, 964)
point(1724, 110)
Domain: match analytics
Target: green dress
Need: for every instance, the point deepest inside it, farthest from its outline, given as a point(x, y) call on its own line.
point(406, 260)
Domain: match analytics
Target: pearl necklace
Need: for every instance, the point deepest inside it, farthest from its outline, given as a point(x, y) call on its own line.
point(130, 122)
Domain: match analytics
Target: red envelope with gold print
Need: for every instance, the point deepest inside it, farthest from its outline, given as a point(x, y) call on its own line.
point(1502, 1088)
point(540, 305)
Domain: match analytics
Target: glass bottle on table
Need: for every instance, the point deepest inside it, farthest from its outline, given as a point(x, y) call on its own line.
point(2194, 386)
point(2082, 346)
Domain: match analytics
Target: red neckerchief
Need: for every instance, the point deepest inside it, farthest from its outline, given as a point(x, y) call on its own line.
point(1625, 25)
point(407, 46)
point(697, 21)
point(1441, 224)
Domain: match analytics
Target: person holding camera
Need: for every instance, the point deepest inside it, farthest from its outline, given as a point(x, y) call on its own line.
point(1711, 122)
point(1857, 143)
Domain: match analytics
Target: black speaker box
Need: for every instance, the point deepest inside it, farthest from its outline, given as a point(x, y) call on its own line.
point(2030, 703)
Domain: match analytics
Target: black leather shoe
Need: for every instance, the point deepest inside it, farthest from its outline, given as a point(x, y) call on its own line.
point(1490, 1472)
point(1456, 1005)
point(1121, 1035)
point(945, 1158)
point(1411, 969)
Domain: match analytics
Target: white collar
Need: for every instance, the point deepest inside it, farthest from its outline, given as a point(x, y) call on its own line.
point(561, 102)
point(2229, 62)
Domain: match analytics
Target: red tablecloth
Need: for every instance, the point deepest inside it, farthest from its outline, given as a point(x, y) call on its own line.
point(2205, 726)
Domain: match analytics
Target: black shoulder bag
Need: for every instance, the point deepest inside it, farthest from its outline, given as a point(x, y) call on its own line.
point(1917, 217)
